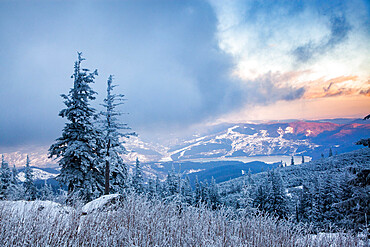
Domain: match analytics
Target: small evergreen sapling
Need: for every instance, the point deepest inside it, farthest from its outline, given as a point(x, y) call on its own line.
point(46, 192)
point(29, 185)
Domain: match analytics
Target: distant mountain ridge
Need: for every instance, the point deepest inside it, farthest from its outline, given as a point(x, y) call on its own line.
point(287, 137)
point(275, 138)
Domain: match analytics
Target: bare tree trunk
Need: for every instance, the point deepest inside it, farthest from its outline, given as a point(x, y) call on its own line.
point(106, 189)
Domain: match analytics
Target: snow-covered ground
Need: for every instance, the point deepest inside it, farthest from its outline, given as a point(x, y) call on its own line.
point(103, 202)
point(25, 207)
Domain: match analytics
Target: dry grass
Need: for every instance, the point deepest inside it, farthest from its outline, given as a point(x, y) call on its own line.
point(140, 222)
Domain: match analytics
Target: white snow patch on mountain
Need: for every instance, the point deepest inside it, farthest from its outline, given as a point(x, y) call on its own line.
point(194, 170)
point(289, 130)
point(38, 174)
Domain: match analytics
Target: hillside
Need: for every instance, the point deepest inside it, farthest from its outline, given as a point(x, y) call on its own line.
point(220, 170)
point(294, 176)
point(275, 138)
point(329, 193)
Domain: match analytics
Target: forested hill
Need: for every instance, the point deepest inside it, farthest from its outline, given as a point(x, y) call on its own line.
point(327, 192)
point(295, 175)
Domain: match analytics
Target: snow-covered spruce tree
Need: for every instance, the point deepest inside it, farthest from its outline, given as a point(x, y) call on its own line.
point(262, 197)
point(172, 182)
point(116, 173)
point(151, 189)
point(186, 191)
point(305, 203)
point(15, 190)
point(214, 195)
point(137, 178)
point(277, 199)
point(330, 152)
point(5, 179)
point(205, 192)
point(197, 192)
point(80, 145)
point(29, 186)
point(46, 192)
point(158, 188)
point(14, 177)
point(328, 197)
point(245, 199)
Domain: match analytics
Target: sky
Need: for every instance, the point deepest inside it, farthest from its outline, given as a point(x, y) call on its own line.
point(183, 63)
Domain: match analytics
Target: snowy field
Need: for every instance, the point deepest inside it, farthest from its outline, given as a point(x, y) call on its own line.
point(139, 222)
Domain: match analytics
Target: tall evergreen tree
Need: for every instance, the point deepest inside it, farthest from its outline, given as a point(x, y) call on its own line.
point(115, 169)
point(205, 198)
point(151, 188)
point(172, 183)
point(5, 179)
point(158, 188)
point(29, 185)
point(137, 179)
point(186, 191)
point(262, 196)
point(15, 190)
point(328, 197)
point(330, 152)
point(277, 197)
point(197, 192)
point(305, 203)
point(80, 145)
point(214, 195)
point(14, 177)
point(246, 200)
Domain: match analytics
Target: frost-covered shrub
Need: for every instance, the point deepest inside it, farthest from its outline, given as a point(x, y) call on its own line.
point(140, 222)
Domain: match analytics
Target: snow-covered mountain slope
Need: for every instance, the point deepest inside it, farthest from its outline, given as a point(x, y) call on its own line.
point(18, 156)
point(39, 174)
point(299, 137)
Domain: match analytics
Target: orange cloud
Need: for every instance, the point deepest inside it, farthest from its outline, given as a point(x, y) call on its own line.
point(343, 85)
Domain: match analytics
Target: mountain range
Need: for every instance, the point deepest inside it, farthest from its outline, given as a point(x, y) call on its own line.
point(309, 138)
point(235, 142)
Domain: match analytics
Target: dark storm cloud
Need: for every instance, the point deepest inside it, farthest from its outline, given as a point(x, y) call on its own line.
point(164, 56)
point(263, 90)
point(339, 29)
